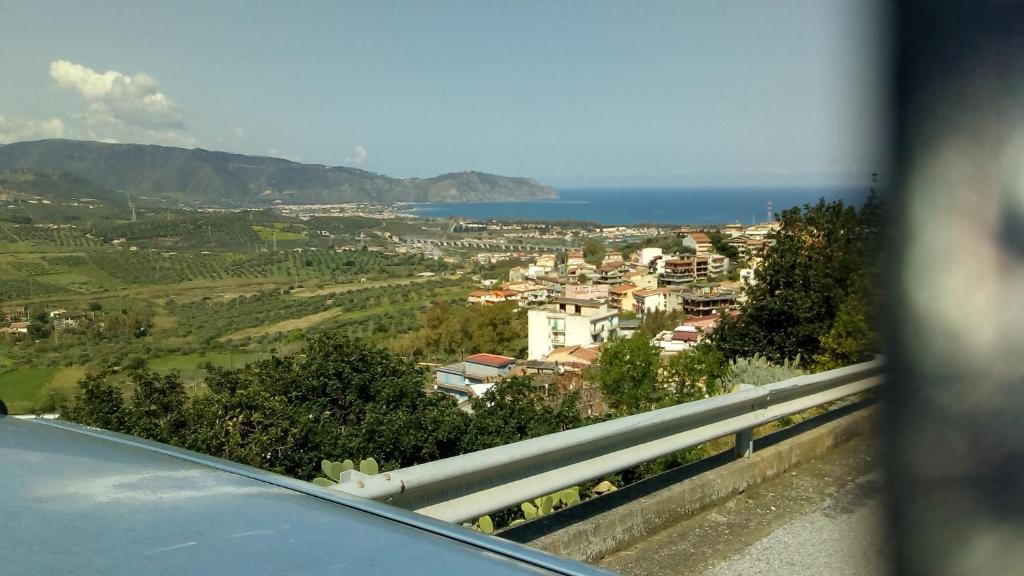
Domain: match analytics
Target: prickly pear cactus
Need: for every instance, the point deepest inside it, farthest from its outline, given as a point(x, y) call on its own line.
point(604, 487)
point(369, 467)
point(485, 524)
point(529, 510)
point(333, 470)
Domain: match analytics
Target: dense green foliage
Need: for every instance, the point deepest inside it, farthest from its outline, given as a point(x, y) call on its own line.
point(720, 243)
point(450, 331)
point(341, 397)
point(512, 410)
point(593, 251)
point(695, 374)
point(627, 373)
point(813, 296)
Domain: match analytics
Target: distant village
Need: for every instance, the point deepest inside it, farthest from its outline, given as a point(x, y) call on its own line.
point(574, 307)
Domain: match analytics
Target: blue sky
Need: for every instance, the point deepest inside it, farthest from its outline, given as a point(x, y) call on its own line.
point(581, 93)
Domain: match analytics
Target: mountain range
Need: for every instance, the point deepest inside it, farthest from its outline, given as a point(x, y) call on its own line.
point(208, 177)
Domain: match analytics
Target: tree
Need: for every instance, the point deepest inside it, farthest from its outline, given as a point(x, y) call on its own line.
point(627, 373)
point(695, 374)
point(513, 410)
point(39, 328)
point(720, 242)
point(659, 320)
point(342, 398)
point(451, 331)
point(157, 407)
point(593, 251)
point(851, 338)
point(97, 403)
point(823, 255)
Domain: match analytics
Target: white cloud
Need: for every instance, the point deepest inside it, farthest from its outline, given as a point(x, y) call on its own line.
point(121, 107)
point(359, 156)
point(15, 130)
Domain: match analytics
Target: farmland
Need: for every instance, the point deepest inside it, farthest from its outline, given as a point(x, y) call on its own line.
point(178, 290)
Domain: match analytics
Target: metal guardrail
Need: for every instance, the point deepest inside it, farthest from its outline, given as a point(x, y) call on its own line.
point(464, 487)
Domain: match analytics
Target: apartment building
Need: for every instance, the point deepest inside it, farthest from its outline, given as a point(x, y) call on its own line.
point(569, 322)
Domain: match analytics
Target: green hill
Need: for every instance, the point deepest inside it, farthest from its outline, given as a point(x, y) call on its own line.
point(207, 177)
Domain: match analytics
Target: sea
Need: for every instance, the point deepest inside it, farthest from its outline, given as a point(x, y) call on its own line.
point(628, 206)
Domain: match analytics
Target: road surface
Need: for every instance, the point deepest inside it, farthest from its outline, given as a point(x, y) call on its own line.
point(822, 518)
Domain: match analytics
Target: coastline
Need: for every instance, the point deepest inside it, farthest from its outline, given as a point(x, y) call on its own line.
point(639, 206)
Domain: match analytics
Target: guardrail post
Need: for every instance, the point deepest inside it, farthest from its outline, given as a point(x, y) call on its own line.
point(744, 438)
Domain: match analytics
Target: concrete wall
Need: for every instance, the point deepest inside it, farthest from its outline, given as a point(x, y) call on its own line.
point(594, 529)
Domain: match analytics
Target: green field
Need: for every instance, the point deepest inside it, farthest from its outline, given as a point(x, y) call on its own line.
point(21, 388)
point(176, 289)
point(186, 363)
point(278, 232)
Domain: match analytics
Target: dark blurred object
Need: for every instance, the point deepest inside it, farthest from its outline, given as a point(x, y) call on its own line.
point(955, 428)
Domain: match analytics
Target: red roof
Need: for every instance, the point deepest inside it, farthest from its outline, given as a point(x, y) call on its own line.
point(492, 360)
point(587, 355)
point(685, 336)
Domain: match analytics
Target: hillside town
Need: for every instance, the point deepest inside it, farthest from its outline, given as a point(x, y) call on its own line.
point(575, 304)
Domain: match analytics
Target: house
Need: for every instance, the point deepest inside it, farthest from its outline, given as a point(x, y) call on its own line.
point(545, 261)
point(706, 304)
point(575, 357)
point(683, 270)
point(717, 264)
point(569, 322)
point(581, 272)
point(529, 294)
point(652, 300)
point(557, 380)
point(676, 340)
point(613, 272)
point(492, 296)
point(621, 296)
point(574, 258)
point(472, 377)
point(732, 230)
point(746, 245)
point(612, 257)
point(761, 231)
point(700, 242)
point(17, 328)
point(518, 273)
point(642, 278)
point(629, 327)
point(586, 291)
point(702, 323)
point(648, 255)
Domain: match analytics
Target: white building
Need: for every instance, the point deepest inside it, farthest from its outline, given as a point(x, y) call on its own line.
point(677, 340)
point(648, 254)
point(647, 301)
point(717, 264)
point(570, 322)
